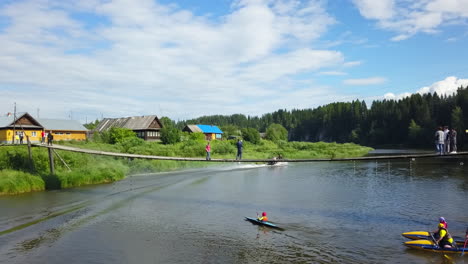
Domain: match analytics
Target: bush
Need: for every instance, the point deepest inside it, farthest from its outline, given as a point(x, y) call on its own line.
point(223, 147)
point(251, 134)
point(276, 132)
point(15, 182)
point(197, 136)
point(118, 135)
point(170, 135)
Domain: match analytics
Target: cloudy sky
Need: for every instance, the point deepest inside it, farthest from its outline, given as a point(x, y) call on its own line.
point(183, 59)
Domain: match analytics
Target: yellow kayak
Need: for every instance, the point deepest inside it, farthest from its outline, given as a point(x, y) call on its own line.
point(425, 235)
point(429, 245)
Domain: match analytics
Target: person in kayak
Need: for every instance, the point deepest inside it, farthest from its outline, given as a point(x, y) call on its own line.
point(263, 218)
point(442, 221)
point(445, 240)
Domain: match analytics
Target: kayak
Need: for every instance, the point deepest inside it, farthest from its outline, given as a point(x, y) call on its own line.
point(425, 235)
point(262, 223)
point(429, 245)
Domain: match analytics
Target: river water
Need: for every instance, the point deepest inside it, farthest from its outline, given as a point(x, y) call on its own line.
point(331, 212)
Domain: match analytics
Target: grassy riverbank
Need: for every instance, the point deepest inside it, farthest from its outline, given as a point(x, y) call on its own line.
point(17, 175)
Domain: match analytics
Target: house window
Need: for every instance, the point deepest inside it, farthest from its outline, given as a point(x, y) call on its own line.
point(68, 133)
point(33, 134)
point(153, 133)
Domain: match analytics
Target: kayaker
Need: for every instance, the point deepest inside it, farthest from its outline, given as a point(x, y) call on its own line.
point(263, 218)
point(442, 220)
point(444, 240)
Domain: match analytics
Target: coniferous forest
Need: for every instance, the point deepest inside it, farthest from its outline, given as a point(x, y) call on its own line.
point(408, 122)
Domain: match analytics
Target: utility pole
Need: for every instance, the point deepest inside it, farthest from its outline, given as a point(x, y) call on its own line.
point(14, 125)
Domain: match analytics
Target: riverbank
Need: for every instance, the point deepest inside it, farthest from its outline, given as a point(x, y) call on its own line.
point(17, 176)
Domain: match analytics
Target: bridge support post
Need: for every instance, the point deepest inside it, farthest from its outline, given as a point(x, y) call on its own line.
point(51, 161)
point(31, 162)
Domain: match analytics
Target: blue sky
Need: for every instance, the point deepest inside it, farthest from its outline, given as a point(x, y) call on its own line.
point(184, 59)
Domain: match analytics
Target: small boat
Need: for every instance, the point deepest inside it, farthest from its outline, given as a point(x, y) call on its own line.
point(425, 235)
point(429, 245)
point(277, 163)
point(262, 223)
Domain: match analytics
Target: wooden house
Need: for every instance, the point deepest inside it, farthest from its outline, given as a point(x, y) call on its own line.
point(146, 127)
point(211, 132)
point(23, 123)
point(63, 129)
point(31, 127)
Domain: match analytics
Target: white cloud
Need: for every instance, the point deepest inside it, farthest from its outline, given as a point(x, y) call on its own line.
point(333, 73)
point(372, 9)
point(352, 63)
point(408, 18)
point(365, 81)
point(446, 87)
point(141, 57)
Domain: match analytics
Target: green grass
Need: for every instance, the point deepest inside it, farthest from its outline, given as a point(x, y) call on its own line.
point(16, 182)
point(226, 149)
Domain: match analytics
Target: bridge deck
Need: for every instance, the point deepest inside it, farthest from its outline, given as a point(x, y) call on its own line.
point(138, 156)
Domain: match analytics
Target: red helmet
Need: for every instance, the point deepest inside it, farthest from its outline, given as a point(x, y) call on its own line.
point(264, 214)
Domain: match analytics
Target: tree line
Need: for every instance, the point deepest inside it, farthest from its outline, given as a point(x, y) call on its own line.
point(407, 122)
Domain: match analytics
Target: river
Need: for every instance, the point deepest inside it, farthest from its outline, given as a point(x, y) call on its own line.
point(331, 212)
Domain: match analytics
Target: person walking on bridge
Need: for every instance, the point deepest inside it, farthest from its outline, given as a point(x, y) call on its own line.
point(42, 137)
point(439, 141)
point(50, 138)
point(208, 151)
point(453, 141)
point(239, 149)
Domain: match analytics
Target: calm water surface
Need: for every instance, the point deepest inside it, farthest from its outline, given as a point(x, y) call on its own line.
point(332, 212)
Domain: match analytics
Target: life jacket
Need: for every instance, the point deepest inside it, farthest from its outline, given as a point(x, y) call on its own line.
point(263, 218)
point(446, 239)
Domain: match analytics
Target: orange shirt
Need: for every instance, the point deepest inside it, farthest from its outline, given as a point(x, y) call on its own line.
point(263, 218)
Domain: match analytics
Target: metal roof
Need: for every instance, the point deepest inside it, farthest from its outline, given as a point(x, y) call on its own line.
point(133, 123)
point(194, 128)
point(210, 129)
point(47, 124)
point(6, 121)
point(61, 124)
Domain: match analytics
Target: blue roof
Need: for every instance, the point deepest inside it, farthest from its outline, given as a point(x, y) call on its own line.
point(210, 129)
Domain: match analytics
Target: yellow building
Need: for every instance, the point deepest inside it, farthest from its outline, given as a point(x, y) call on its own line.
point(64, 129)
point(27, 126)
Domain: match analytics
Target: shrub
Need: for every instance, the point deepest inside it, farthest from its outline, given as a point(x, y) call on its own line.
point(170, 135)
point(276, 132)
point(15, 182)
point(118, 134)
point(251, 134)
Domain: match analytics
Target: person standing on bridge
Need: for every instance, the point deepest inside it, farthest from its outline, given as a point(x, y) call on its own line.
point(208, 151)
point(453, 140)
point(239, 150)
point(439, 141)
point(42, 137)
point(50, 138)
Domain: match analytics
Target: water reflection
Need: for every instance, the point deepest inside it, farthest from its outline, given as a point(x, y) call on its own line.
point(331, 212)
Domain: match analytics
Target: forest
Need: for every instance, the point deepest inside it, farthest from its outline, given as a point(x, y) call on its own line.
point(408, 122)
